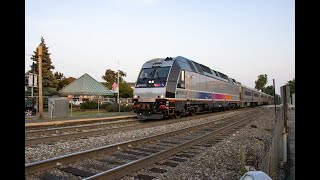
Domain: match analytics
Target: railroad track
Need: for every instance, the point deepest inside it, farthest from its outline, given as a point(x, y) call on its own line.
point(52, 135)
point(117, 160)
point(78, 128)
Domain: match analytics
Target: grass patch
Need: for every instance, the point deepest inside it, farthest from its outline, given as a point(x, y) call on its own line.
point(88, 113)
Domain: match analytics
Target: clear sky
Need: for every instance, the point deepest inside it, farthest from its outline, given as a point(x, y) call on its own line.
point(241, 39)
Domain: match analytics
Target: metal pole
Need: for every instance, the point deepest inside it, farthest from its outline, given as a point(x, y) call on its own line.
point(32, 79)
point(284, 141)
point(71, 106)
point(274, 97)
point(32, 86)
point(284, 133)
point(51, 113)
point(98, 105)
point(40, 81)
point(118, 87)
point(285, 106)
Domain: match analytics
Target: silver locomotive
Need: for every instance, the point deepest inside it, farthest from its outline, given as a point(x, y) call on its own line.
point(180, 86)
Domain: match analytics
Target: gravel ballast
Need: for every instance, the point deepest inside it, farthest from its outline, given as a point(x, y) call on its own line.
point(46, 151)
point(222, 161)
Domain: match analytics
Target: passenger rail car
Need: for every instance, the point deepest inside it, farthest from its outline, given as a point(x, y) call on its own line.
point(179, 86)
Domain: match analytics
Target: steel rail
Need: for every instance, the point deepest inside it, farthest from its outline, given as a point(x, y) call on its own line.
point(78, 156)
point(80, 121)
point(151, 159)
point(59, 137)
point(76, 128)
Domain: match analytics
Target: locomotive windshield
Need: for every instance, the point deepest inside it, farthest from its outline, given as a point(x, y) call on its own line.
point(153, 77)
point(154, 72)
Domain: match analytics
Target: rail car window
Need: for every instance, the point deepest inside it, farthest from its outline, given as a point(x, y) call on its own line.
point(198, 67)
point(205, 69)
point(223, 76)
point(215, 72)
point(255, 94)
point(247, 93)
point(192, 66)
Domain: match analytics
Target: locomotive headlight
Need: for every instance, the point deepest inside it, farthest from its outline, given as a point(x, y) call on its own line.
point(152, 81)
point(149, 81)
point(162, 96)
point(135, 96)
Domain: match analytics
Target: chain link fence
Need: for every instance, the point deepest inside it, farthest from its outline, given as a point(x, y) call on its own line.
point(122, 101)
point(32, 104)
point(274, 155)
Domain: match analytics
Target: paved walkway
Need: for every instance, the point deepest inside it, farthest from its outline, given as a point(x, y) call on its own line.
point(291, 163)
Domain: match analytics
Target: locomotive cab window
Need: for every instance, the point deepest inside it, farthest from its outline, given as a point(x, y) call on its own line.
point(181, 82)
point(161, 72)
point(153, 77)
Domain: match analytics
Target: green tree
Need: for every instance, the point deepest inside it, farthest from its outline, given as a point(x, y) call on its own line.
point(269, 90)
point(261, 82)
point(125, 91)
point(62, 81)
point(291, 84)
point(112, 76)
point(49, 82)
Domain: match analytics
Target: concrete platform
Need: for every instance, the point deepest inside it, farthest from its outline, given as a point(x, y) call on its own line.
point(290, 166)
point(69, 120)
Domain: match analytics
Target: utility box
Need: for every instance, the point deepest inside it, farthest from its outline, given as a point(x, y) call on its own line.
point(285, 94)
point(293, 99)
point(58, 106)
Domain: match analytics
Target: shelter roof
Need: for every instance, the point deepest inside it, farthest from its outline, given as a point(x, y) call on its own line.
point(85, 85)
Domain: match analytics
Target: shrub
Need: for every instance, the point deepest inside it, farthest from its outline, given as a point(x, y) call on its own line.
point(89, 105)
point(115, 108)
point(104, 106)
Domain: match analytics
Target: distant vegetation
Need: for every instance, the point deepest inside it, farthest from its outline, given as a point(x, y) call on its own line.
point(291, 84)
point(54, 82)
point(51, 82)
point(262, 80)
point(112, 76)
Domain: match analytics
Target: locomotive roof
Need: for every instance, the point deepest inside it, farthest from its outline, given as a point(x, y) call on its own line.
point(189, 65)
point(198, 68)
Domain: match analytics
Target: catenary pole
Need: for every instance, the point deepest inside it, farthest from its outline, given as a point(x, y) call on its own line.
point(274, 97)
point(40, 81)
point(118, 87)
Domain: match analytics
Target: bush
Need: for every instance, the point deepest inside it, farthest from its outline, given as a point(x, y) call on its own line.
point(115, 108)
point(104, 106)
point(89, 105)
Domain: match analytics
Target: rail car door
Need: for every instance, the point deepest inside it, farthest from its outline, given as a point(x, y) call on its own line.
point(189, 86)
point(241, 95)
